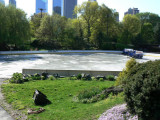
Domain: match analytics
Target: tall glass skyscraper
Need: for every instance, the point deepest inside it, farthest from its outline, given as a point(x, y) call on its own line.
point(92, 0)
point(2, 1)
point(57, 6)
point(41, 4)
point(68, 8)
point(12, 2)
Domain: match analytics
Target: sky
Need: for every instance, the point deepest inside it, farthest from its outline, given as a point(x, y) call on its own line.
point(120, 6)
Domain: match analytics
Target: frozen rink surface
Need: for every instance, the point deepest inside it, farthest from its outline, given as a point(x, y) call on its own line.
point(10, 64)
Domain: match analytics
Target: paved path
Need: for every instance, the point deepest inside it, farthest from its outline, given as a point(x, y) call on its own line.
point(3, 114)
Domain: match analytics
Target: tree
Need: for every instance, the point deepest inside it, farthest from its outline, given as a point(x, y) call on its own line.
point(74, 34)
point(4, 28)
point(157, 34)
point(35, 22)
point(19, 29)
point(108, 27)
point(106, 18)
point(100, 25)
point(148, 17)
point(88, 11)
point(97, 36)
point(132, 24)
point(51, 29)
point(15, 27)
point(147, 33)
point(132, 27)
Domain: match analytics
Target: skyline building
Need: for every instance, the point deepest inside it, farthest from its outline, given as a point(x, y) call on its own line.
point(132, 11)
point(135, 11)
point(2, 1)
point(41, 5)
point(57, 6)
point(61, 7)
point(92, 0)
point(12, 2)
point(68, 8)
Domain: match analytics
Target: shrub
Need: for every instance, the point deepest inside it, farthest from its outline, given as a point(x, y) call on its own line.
point(97, 94)
point(110, 78)
point(93, 78)
point(43, 78)
point(27, 78)
point(72, 78)
point(122, 75)
point(51, 77)
point(87, 94)
point(102, 96)
point(17, 78)
point(86, 77)
point(79, 76)
point(130, 63)
point(44, 75)
point(142, 91)
point(36, 76)
point(101, 79)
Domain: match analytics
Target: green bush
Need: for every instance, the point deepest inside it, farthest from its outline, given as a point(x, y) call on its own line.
point(83, 76)
point(27, 78)
point(142, 90)
point(86, 77)
point(72, 78)
point(93, 78)
point(88, 94)
point(43, 78)
point(51, 77)
point(79, 76)
point(122, 75)
point(17, 78)
point(110, 77)
point(36, 76)
point(96, 94)
point(101, 79)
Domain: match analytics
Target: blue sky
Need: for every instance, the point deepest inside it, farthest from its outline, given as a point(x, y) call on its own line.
point(120, 5)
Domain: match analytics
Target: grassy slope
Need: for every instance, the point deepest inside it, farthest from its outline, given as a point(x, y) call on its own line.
point(58, 92)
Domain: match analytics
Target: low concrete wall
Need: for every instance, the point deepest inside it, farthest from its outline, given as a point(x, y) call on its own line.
point(58, 52)
point(70, 72)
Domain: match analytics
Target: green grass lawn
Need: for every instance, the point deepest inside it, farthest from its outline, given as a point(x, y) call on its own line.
point(61, 94)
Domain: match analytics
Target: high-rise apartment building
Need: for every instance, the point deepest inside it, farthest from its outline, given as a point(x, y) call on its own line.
point(135, 11)
point(57, 6)
point(41, 5)
point(12, 2)
point(132, 11)
point(68, 8)
point(2, 1)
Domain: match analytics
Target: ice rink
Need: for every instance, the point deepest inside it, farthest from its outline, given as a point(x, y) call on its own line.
point(10, 64)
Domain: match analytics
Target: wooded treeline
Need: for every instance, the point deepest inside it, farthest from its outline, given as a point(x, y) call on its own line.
point(94, 28)
point(14, 27)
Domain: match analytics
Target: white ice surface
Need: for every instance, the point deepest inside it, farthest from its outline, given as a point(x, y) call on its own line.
point(10, 64)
